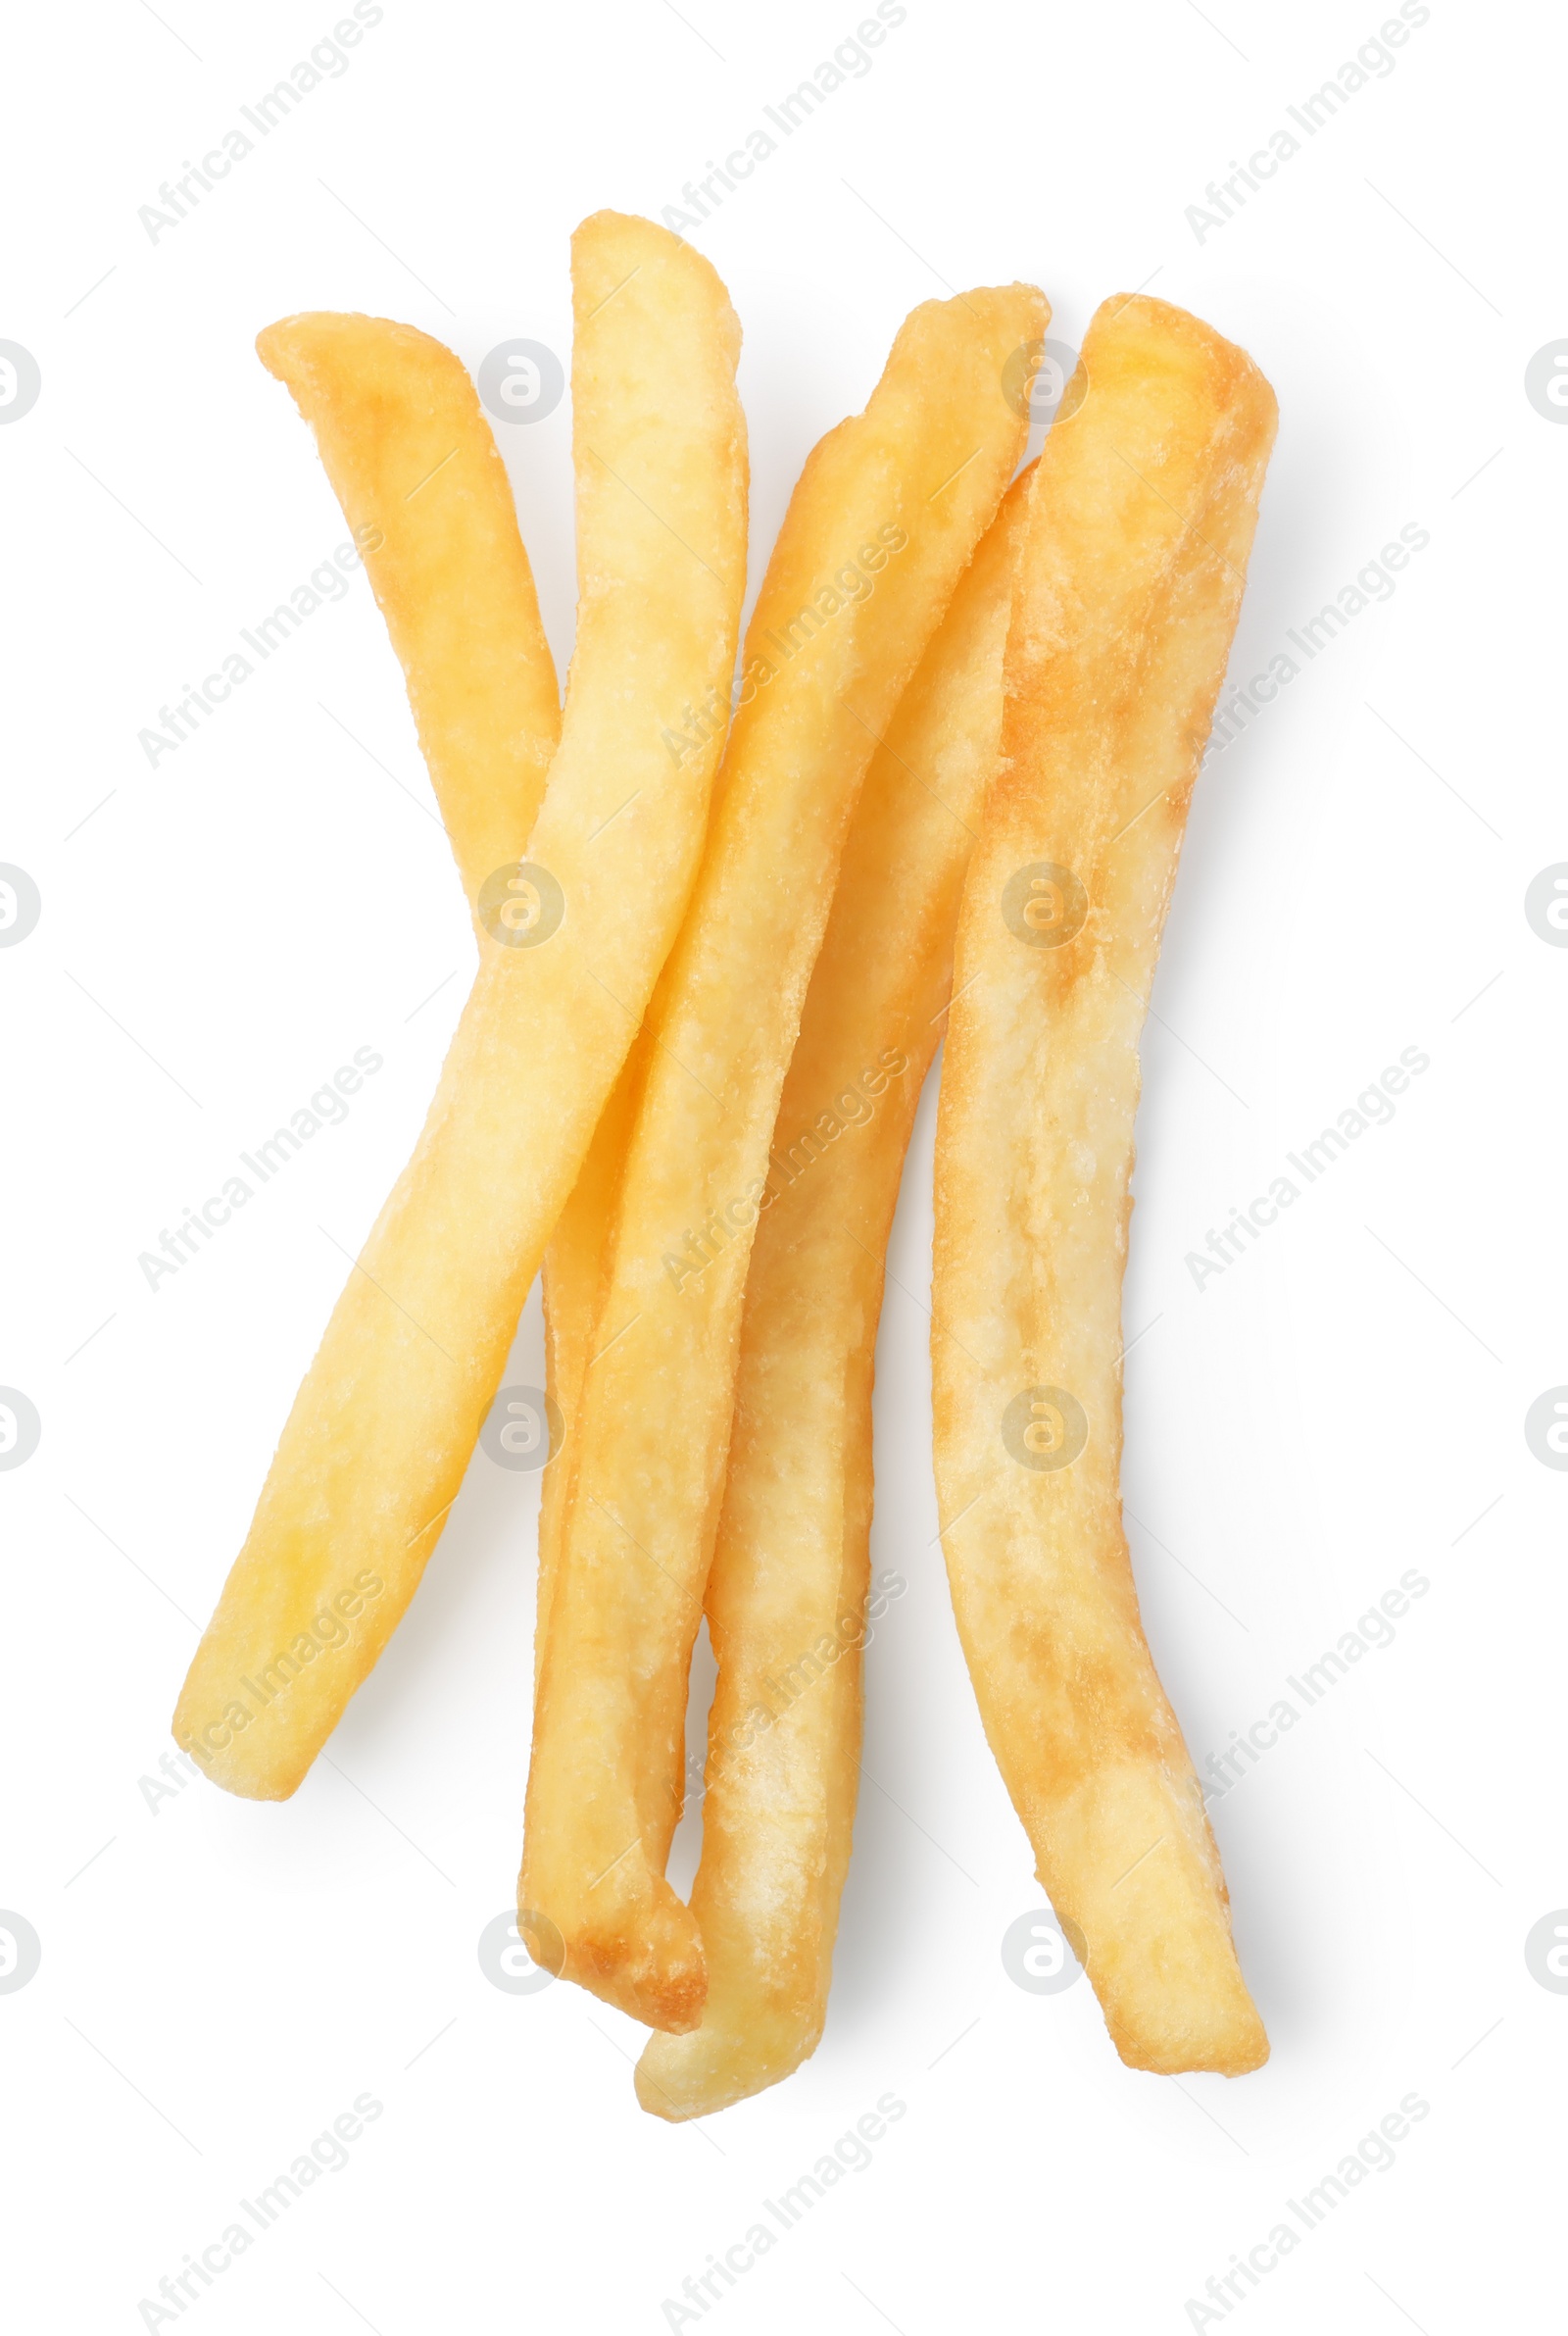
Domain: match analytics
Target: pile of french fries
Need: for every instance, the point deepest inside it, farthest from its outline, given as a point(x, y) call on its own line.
point(725, 908)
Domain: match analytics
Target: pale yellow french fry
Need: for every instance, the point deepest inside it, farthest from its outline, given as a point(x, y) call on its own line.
point(412, 461)
point(789, 1597)
point(1129, 581)
point(413, 464)
point(375, 1449)
point(883, 522)
point(573, 1280)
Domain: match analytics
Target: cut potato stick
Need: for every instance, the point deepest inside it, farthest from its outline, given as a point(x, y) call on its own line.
point(573, 1280)
point(373, 1452)
point(413, 464)
point(412, 461)
point(1129, 581)
point(885, 518)
point(789, 1598)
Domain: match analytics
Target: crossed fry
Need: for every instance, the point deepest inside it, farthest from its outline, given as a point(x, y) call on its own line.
point(375, 1449)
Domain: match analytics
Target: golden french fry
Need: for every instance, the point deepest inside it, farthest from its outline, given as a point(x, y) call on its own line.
point(415, 467)
point(885, 518)
point(1129, 581)
point(573, 1277)
point(375, 1449)
point(412, 461)
point(789, 1596)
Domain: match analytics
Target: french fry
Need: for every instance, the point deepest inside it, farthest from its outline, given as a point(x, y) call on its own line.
point(412, 461)
point(573, 1280)
point(1129, 581)
point(415, 467)
point(789, 1593)
point(885, 518)
point(373, 1452)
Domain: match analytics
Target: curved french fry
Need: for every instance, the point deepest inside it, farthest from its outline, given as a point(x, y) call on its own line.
point(789, 1594)
point(1128, 585)
point(412, 461)
point(882, 523)
point(373, 1452)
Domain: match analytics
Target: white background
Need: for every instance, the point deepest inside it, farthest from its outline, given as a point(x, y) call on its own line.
point(219, 1979)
